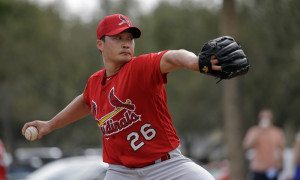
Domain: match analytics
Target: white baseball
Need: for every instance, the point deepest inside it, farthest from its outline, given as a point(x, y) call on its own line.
point(31, 133)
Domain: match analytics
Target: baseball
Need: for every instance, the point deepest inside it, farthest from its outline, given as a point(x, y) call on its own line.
point(31, 133)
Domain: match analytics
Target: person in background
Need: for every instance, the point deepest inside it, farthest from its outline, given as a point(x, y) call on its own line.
point(2, 164)
point(297, 156)
point(267, 142)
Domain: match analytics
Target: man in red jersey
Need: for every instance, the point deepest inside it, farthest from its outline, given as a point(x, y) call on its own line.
point(128, 101)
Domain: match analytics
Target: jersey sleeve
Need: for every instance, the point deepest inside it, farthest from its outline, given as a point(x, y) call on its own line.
point(148, 68)
point(86, 93)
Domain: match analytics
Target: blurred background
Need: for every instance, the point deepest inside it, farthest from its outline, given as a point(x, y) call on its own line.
point(48, 51)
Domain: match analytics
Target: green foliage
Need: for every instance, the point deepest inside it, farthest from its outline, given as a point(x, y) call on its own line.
point(46, 61)
point(269, 32)
point(45, 64)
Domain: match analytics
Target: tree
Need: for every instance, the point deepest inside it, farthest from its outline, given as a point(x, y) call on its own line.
point(231, 96)
point(45, 63)
point(274, 57)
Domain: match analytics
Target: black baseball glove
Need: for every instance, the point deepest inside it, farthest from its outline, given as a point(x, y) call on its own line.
point(230, 55)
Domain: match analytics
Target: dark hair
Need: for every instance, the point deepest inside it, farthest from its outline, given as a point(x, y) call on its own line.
point(102, 38)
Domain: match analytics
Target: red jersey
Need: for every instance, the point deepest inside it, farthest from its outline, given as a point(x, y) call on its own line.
point(131, 111)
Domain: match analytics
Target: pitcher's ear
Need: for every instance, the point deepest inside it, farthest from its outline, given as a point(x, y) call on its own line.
point(99, 44)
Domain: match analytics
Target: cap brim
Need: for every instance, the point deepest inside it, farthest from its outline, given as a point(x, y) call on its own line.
point(136, 33)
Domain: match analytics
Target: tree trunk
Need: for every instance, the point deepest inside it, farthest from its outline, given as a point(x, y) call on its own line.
point(230, 102)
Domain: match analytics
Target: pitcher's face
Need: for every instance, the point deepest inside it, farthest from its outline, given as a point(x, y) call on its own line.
point(118, 48)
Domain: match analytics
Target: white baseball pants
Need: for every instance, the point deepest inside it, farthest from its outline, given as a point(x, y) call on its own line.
point(178, 167)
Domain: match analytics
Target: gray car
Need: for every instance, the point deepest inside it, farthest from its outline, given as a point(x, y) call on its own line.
point(75, 168)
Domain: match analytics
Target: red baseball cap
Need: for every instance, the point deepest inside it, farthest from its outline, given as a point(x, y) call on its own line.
point(115, 24)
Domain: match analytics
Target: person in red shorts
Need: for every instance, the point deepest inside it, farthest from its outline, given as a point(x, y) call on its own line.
point(128, 101)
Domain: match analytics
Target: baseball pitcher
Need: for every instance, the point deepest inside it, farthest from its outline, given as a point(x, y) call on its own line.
point(128, 101)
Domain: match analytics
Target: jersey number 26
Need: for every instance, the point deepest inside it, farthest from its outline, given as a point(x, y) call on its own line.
point(147, 132)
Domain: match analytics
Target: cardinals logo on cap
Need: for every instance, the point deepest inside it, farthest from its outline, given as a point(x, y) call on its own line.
point(124, 20)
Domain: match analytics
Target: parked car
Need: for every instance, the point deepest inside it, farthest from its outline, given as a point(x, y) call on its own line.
point(27, 160)
point(75, 168)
